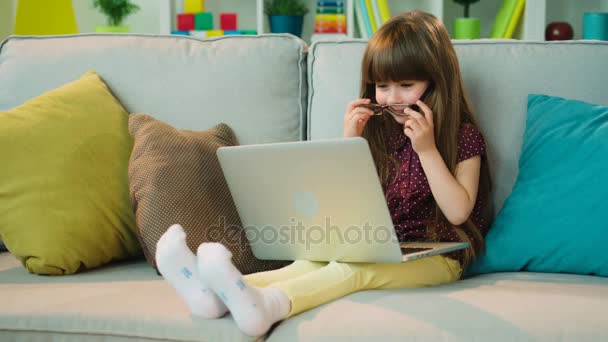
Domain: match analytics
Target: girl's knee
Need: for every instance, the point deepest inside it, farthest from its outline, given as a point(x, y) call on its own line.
point(454, 268)
point(306, 264)
point(355, 270)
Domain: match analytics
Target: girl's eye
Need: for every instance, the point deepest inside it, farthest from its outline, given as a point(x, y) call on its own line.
point(380, 85)
point(406, 85)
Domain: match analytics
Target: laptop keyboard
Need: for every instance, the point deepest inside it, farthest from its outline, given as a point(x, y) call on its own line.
point(410, 250)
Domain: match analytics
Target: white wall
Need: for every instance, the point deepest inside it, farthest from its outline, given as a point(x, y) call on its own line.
point(146, 20)
point(7, 15)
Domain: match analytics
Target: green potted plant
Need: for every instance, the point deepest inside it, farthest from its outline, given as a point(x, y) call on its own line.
point(286, 16)
point(116, 12)
point(466, 27)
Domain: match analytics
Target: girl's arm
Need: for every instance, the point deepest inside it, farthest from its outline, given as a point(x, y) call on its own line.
point(455, 196)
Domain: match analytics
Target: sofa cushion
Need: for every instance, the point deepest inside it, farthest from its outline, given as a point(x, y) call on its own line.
point(175, 177)
point(492, 307)
point(556, 217)
point(124, 301)
point(255, 84)
point(64, 197)
point(498, 75)
point(127, 301)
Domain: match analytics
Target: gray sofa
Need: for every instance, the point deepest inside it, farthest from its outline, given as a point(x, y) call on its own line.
point(275, 88)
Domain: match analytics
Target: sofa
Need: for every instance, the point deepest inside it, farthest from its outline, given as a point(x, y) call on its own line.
point(275, 88)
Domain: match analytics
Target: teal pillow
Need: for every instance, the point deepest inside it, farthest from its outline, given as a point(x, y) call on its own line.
point(556, 217)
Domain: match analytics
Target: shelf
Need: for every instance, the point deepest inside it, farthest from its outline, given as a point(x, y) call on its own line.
point(537, 14)
point(350, 27)
point(534, 20)
point(170, 8)
point(436, 7)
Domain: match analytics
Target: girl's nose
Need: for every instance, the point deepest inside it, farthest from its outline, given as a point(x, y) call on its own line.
point(393, 97)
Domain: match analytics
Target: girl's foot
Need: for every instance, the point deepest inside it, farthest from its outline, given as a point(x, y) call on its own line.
point(177, 264)
point(254, 309)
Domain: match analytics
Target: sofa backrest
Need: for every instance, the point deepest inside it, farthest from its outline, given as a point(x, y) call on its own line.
point(258, 84)
point(255, 84)
point(498, 75)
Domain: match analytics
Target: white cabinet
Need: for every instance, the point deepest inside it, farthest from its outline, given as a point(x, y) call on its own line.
point(166, 16)
point(537, 14)
point(572, 12)
point(260, 16)
point(534, 20)
point(170, 8)
point(399, 6)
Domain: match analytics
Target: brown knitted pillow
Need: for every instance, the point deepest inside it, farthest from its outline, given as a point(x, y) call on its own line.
point(175, 177)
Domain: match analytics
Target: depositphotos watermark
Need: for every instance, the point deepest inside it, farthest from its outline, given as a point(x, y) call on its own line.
point(296, 233)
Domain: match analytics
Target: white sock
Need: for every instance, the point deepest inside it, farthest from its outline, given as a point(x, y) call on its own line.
point(177, 264)
point(254, 309)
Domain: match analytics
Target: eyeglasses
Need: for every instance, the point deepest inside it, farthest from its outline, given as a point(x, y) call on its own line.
point(396, 108)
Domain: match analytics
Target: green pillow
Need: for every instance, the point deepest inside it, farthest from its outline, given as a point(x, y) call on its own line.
point(64, 195)
point(555, 218)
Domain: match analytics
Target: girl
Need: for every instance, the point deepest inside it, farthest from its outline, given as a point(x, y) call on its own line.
point(431, 162)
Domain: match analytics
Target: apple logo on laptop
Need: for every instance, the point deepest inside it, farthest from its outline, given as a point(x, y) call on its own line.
point(305, 203)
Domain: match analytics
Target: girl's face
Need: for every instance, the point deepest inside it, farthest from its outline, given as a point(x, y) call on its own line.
point(401, 92)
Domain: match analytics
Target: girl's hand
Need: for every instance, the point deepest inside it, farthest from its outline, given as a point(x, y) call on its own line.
point(419, 128)
point(355, 118)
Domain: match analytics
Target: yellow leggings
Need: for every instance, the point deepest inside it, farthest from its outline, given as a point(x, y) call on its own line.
point(309, 284)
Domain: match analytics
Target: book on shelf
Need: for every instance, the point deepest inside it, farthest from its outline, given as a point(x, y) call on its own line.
point(330, 3)
point(370, 15)
point(519, 9)
point(330, 23)
point(360, 21)
point(507, 18)
point(385, 12)
point(330, 27)
point(376, 16)
point(329, 30)
point(330, 17)
point(330, 10)
point(364, 14)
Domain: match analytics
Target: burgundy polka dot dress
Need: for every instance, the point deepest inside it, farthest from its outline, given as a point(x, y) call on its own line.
point(409, 198)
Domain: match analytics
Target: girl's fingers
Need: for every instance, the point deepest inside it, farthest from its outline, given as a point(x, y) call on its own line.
point(413, 124)
point(408, 132)
point(359, 112)
point(419, 118)
point(428, 113)
point(355, 103)
point(360, 117)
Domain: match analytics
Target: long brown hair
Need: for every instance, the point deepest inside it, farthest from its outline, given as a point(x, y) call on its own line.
point(417, 46)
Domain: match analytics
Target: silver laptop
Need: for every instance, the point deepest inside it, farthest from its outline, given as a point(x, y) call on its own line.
point(317, 200)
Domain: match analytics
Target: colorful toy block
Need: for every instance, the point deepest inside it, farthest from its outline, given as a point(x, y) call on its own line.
point(181, 33)
point(231, 32)
point(253, 32)
point(185, 22)
point(214, 33)
point(203, 21)
point(228, 21)
point(194, 6)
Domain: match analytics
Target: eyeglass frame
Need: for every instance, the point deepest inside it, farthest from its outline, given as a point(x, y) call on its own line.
point(379, 109)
